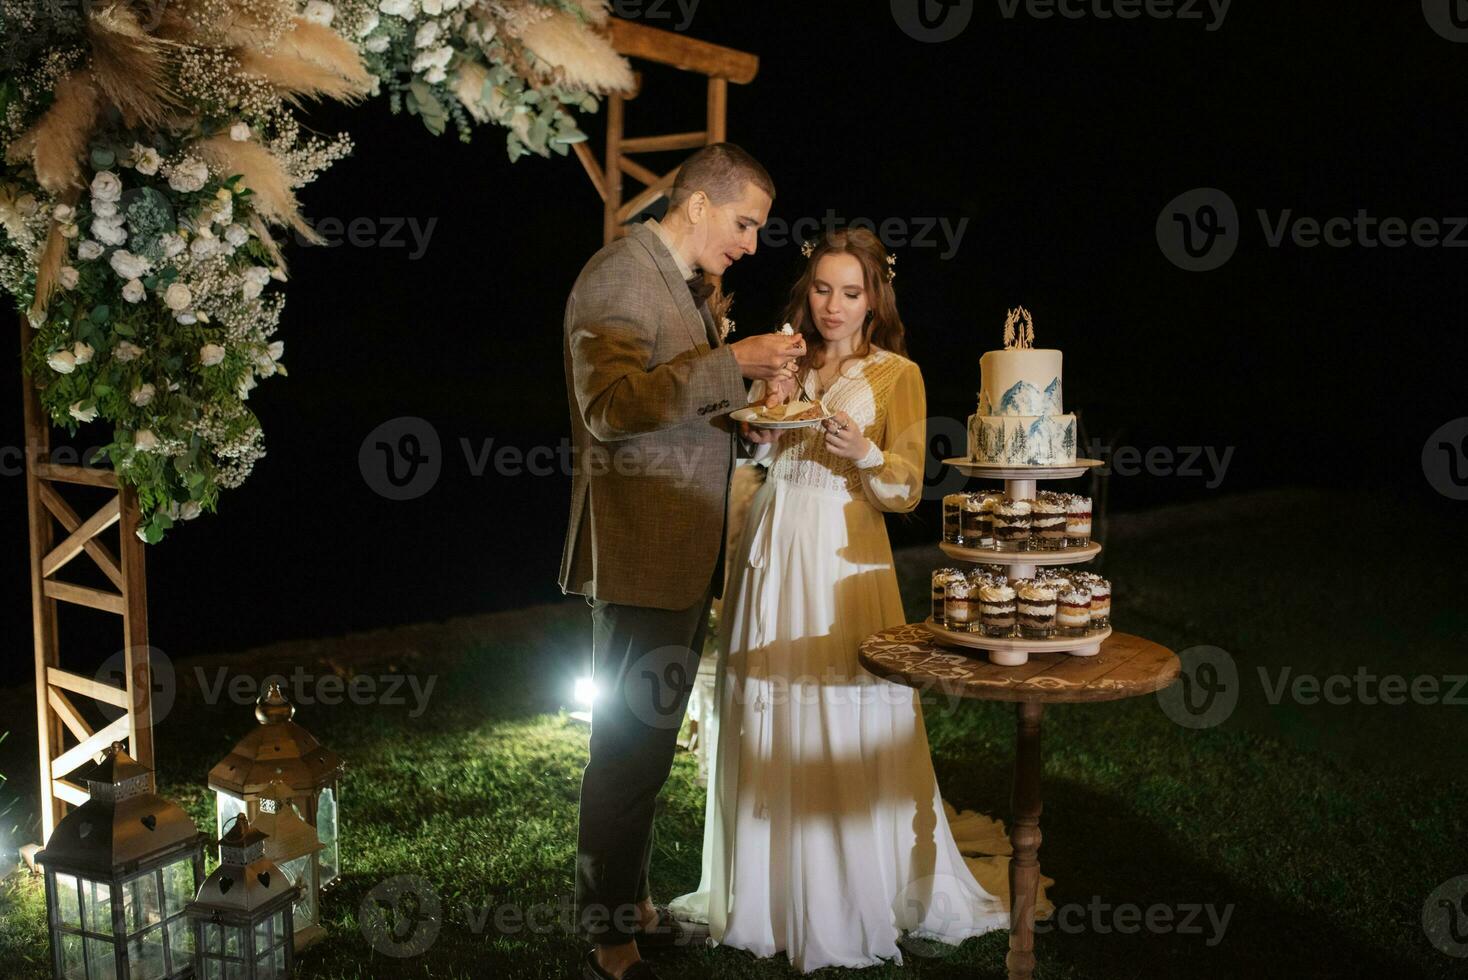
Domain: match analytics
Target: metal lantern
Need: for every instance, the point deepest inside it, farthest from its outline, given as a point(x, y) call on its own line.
point(120, 870)
point(242, 913)
point(292, 844)
point(280, 750)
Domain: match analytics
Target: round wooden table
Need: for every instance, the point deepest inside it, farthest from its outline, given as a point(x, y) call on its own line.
point(1126, 667)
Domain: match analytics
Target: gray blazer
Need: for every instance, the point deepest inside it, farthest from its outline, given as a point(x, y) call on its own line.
point(650, 388)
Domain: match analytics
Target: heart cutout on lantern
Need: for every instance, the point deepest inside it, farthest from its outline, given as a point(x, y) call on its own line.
point(149, 821)
point(225, 884)
point(85, 829)
point(264, 879)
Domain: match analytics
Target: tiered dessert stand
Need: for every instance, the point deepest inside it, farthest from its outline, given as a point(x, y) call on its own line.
point(1019, 483)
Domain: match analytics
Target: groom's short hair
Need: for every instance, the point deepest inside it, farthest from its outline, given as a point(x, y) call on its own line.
point(720, 170)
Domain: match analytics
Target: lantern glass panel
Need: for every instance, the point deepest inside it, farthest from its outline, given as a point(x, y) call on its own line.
point(262, 934)
point(145, 955)
point(68, 901)
point(141, 905)
point(235, 970)
point(326, 832)
point(265, 967)
point(298, 870)
point(213, 970)
point(211, 937)
point(234, 940)
point(225, 808)
point(97, 906)
point(101, 960)
point(73, 966)
point(180, 940)
point(178, 886)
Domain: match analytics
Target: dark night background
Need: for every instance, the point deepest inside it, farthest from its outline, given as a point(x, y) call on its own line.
point(1058, 141)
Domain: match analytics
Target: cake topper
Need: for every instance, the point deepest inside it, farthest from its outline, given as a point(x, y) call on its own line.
point(1019, 330)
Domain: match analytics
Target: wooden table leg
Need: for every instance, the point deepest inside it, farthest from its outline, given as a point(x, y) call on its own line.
point(1024, 836)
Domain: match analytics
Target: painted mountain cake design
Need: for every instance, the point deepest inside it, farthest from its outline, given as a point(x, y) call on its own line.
point(1021, 420)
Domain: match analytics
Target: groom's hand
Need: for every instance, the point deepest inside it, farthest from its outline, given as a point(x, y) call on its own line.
point(768, 356)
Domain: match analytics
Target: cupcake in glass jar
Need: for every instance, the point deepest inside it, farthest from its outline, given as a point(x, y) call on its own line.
point(1073, 610)
point(952, 507)
point(1077, 521)
point(942, 578)
point(961, 606)
point(1048, 521)
point(988, 500)
point(997, 609)
point(1100, 603)
point(1035, 601)
point(1012, 521)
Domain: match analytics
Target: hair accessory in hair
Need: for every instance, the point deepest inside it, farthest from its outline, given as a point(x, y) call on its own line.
point(807, 248)
point(891, 272)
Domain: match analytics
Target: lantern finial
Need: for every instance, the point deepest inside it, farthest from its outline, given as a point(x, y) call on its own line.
point(272, 706)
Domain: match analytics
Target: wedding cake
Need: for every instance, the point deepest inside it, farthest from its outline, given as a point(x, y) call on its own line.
point(1020, 421)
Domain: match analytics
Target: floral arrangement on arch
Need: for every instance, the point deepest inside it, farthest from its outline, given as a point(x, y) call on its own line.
point(151, 150)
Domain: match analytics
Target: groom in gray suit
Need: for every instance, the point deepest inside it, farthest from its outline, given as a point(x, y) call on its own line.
point(651, 383)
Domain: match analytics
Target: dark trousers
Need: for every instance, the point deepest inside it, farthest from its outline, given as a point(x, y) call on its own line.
point(644, 662)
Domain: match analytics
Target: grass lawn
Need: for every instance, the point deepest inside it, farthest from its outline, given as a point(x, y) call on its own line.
point(1320, 830)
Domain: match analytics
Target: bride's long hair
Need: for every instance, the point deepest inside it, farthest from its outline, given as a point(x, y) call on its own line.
point(883, 327)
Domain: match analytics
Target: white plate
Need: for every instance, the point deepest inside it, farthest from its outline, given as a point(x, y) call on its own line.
point(748, 415)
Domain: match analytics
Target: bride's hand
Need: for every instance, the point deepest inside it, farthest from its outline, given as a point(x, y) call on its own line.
point(760, 437)
point(844, 438)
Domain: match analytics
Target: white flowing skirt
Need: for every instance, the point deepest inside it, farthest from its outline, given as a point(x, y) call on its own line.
point(825, 835)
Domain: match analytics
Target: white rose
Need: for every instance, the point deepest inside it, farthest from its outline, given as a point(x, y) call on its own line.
point(63, 213)
point(377, 43)
point(62, 362)
point(68, 277)
point(427, 34)
point(177, 296)
point(172, 244)
point(276, 349)
point(211, 354)
point(149, 161)
point(106, 186)
point(435, 75)
point(246, 385)
point(126, 351)
point(142, 395)
point(82, 414)
point(133, 291)
point(370, 24)
point(82, 351)
point(89, 250)
point(239, 132)
point(398, 8)
point(104, 209)
point(185, 317)
point(129, 266)
point(236, 235)
point(144, 440)
point(109, 231)
point(432, 7)
point(320, 12)
point(203, 246)
point(190, 510)
point(250, 289)
point(189, 175)
point(69, 230)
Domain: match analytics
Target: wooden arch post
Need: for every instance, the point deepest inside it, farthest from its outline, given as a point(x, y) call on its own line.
point(56, 713)
point(719, 64)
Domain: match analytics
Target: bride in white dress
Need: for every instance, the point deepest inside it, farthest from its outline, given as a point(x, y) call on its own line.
point(825, 834)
